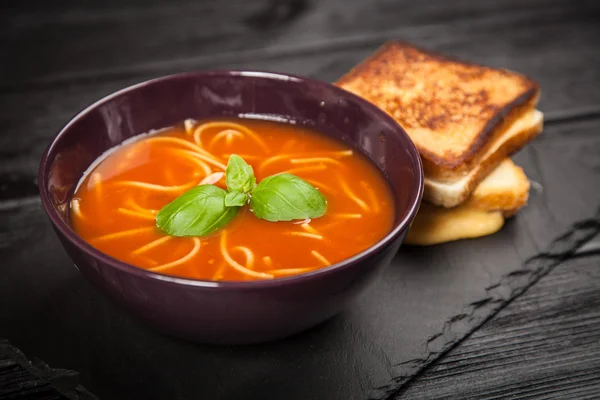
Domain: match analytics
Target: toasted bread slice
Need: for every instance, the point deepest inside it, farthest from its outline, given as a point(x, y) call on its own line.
point(460, 115)
point(506, 189)
point(435, 225)
point(451, 194)
point(500, 195)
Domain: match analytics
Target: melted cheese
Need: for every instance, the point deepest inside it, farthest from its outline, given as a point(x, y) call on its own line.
point(455, 188)
point(434, 225)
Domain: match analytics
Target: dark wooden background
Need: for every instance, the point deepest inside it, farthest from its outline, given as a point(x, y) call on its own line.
point(58, 56)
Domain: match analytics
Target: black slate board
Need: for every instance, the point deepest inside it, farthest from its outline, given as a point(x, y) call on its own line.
point(22, 379)
point(427, 300)
point(543, 345)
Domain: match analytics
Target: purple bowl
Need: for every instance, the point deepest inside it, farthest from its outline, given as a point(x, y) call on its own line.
point(231, 312)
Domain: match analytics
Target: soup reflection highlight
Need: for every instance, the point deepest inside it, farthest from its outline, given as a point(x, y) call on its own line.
point(115, 206)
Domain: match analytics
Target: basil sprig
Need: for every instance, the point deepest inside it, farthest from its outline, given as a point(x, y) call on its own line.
point(236, 199)
point(239, 176)
point(198, 212)
point(284, 197)
point(206, 208)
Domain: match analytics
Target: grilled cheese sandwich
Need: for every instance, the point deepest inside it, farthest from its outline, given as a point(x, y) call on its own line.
point(501, 194)
point(466, 120)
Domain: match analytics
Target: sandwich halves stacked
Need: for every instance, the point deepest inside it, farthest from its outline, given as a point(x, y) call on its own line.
point(466, 120)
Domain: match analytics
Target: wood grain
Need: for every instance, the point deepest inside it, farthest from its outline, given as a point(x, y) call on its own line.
point(323, 40)
point(22, 379)
point(60, 56)
point(108, 38)
point(545, 344)
point(410, 308)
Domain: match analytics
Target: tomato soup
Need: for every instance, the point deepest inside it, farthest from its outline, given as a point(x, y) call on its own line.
point(115, 205)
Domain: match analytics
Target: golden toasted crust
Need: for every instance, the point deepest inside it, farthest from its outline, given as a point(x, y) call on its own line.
point(451, 109)
point(505, 189)
point(439, 195)
point(449, 174)
point(434, 225)
point(500, 195)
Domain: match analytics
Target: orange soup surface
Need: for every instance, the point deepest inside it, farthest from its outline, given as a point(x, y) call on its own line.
point(115, 205)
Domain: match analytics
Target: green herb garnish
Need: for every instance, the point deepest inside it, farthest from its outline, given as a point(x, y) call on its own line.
point(206, 208)
point(239, 176)
point(236, 199)
point(198, 212)
point(284, 197)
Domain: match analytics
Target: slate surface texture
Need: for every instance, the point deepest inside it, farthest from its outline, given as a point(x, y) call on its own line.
point(516, 314)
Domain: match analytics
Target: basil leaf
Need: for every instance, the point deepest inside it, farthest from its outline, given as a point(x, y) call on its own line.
point(239, 176)
point(235, 199)
point(198, 212)
point(285, 197)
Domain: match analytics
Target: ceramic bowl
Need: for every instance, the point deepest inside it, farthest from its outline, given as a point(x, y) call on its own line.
point(231, 312)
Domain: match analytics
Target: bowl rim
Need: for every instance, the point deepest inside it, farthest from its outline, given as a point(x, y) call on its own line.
point(77, 241)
